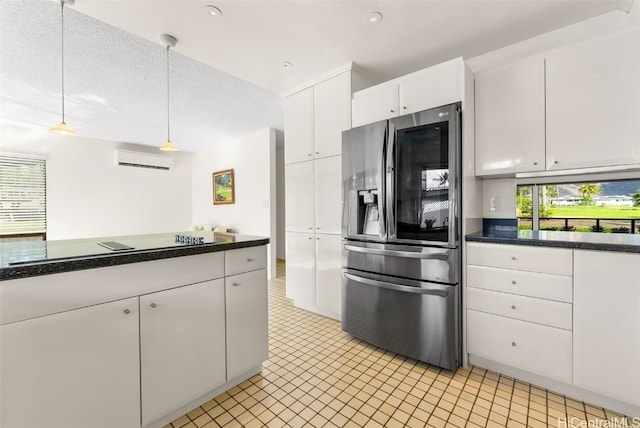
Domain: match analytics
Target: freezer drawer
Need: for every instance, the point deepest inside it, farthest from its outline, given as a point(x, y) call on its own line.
point(409, 261)
point(413, 318)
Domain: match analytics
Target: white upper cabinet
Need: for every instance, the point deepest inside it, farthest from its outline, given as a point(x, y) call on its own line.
point(300, 196)
point(373, 105)
point(332, 114)
point(580, 109)
point(432, 87)
point(315, 118)
point(298, 127)
point(510, 127)
point(329, 195)
point(593, 103)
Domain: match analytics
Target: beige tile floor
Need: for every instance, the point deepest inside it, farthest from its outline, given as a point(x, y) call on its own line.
point(318, 376)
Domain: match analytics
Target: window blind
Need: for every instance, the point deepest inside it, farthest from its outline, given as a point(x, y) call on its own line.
point(23, 202)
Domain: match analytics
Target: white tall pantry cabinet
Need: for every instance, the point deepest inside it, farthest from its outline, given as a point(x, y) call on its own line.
point(314, 120)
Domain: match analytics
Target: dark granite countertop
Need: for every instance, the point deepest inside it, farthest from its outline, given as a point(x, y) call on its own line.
point(623, 242)
point(23, 259)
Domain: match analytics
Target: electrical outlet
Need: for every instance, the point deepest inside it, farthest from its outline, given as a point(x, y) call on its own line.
point(494, 203)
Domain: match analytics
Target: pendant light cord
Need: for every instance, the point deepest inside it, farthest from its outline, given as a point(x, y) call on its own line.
point(62, 61)
point(168, 134)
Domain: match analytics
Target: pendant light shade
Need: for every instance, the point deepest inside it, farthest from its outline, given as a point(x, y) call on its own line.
point(62, 128)
point(169, 42)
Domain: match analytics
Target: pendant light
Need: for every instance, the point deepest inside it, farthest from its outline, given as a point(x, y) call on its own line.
point(62, 128)
point(169, 42)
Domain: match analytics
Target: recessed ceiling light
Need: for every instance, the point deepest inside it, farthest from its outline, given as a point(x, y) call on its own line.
point(213, 11)
point(373, 17)
point(286, 65)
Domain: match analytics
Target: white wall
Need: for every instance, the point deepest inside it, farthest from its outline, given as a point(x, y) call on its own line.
point(88, 195)
point(253, 159)
point(504, 191)
point(280, 211)
point(602, 24)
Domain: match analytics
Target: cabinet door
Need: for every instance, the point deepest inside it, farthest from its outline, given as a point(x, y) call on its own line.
point(328, 192)
point(510, 129)
point(299, 197)
point(374, 105)
point(606, 324)
point(431, 87)
point(298, 126)
point(332, 107)
point(328, 274)
point(182, 336)
point(72, 369)
point(593, 103)
point(301, 268)
point(247, 322)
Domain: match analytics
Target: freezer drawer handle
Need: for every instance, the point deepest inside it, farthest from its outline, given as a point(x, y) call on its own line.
point(397, 287)
point(395, 253)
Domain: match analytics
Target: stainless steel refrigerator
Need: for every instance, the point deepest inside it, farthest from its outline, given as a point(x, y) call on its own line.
point(401, 234)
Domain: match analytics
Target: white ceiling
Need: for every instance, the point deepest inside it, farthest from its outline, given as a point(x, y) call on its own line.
point(226, 71)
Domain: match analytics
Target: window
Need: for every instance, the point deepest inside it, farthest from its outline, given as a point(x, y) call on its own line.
point(22, 197)
point(606, 206)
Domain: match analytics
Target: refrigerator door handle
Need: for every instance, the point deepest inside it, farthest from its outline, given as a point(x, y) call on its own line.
point(455, 172)
point(390, 190)
point(397, 287)
point(396, 253)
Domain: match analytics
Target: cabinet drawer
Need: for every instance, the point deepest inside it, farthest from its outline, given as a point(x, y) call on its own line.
point(519, 257)
point(37, 296)
point(532, 347)
point(542, 285)
point(245, 260)
point(540, 311)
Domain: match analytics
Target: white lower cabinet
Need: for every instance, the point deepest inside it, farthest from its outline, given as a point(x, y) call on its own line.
point(301, 263)
point(519, 307)
point(528, 346)
point(72, 369)
point(329, 274)
point(314, 281)
point(182, 354)
point(606, 335)
point(141, 358)
point(568, 321)
point(247, 322)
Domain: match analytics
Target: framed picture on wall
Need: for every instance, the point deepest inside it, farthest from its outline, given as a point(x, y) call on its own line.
point(223, 187)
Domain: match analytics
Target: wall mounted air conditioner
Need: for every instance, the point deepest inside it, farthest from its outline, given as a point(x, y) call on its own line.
point(143, 160)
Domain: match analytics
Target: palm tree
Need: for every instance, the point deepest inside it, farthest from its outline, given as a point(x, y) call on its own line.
point(636, 198)
point(587, 191)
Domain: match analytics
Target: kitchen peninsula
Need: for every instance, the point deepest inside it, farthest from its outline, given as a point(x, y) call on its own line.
point(128, 338)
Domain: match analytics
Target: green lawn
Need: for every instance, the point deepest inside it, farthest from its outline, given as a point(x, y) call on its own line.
point(596, 212)
point(223, 193)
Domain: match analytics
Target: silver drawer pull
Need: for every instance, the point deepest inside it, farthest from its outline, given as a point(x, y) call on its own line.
point(514, 282)
point(250, 260)
point(235, 284)
point(513, 343)
point(127, 311)
point(513, 257)
point(513, 306)
point(153, 305)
